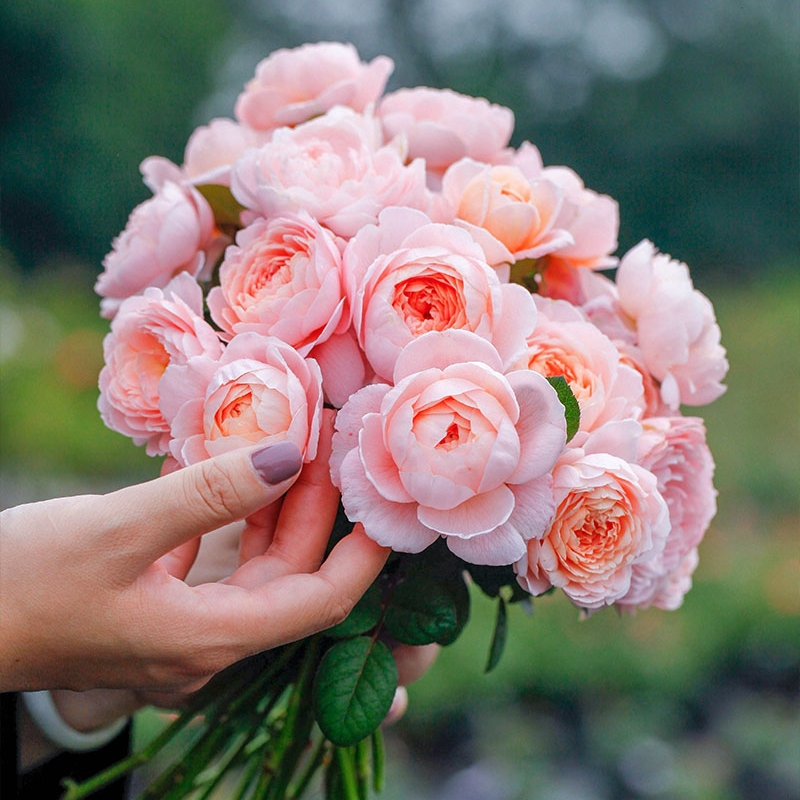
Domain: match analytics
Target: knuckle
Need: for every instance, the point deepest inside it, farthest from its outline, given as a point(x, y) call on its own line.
point(215, 491)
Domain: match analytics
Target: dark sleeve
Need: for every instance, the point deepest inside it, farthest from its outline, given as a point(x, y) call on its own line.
point(44, 781)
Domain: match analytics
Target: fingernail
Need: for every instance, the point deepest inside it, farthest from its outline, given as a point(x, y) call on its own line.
point(277, 462)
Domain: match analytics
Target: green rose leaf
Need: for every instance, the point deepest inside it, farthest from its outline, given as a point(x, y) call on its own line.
point(422, 610)
point(364, 617)
point(353, 689)
point(499, 636)
point(572, 412)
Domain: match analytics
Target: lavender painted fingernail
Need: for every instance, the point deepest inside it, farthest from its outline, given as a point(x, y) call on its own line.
point(277, 462)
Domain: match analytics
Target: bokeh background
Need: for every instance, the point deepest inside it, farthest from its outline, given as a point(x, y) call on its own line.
point(685, 111)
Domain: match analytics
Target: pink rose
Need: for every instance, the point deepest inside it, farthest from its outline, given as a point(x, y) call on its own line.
point(609, 518)
point(518, 210)
point(259, 391)
point(282, 278)
point(674, 449)
point(565, 343)
point(167, 234)
point(591, 219)
point(442, 126)
point(407, 276)
point(293, 85)
point(213, 149)
point(455, 449)
point(149, 332)
point(335, 168)
point(676, 330)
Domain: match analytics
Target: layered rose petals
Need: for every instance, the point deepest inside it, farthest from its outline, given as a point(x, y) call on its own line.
point(407, 276)
point(455, 448)
point(293, 85)
point(282, 278)
point(150, 332)
point(609, 518)
point(259, 391)
point(172, 232)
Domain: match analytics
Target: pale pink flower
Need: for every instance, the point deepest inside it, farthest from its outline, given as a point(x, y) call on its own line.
point(407, 275)
point(214, 148)
point(565, 343)
point(172, 232)
point(442, 126)
point(674, 449)
point(676, 330)
point(260, 391)
point(335, 168)
point(591, 219)
point(149, 332)
point(609, 518)
point(454, 449)
point(518, 210)
point(293, 85)
point(282, 278)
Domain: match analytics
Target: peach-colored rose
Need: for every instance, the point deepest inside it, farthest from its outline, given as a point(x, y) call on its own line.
point(259, 391)
point(406, 276)
point(171, 232)
point(335, 168)
point(609, 518)
point(293, 85)
point(282, 278)
point(519, 211)
point(565, 343)
point(442, 126)
point(674, 449)
point(455, 449)
point(149, 332)
point(676, 330)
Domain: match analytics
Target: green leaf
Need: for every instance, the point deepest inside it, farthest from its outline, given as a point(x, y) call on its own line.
point(421, 611)
point(224, 205)
point(353, 689)
point(499, 636)
point(572, 412)
point(364, 617)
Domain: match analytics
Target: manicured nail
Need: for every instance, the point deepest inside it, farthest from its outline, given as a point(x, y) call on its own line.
point(277, 462)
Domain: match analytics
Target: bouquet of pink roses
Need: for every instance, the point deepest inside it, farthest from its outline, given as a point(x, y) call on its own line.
point(507, 416)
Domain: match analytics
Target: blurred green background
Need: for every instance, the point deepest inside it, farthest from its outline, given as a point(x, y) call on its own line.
point(686, 111)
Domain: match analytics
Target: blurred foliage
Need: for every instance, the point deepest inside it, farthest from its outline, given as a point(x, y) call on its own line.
point(685, 111)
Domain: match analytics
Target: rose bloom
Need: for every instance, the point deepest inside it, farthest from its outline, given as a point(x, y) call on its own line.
point(442, 126)
point(149, 332)
point(609, 518)
point(454, 449)
point(591, 219)
point(282, 278)
point(335, 168)
point(676, 330)
point(407, 276)
point(674, 449)
point(293, 85)
point(260, 391)
point(171, 232)
point(565, 343)
point(519, 211)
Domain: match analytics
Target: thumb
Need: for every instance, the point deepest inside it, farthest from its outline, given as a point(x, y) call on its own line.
point(159, 515)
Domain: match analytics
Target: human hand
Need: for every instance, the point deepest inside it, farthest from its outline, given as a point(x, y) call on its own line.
point(93, 590)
